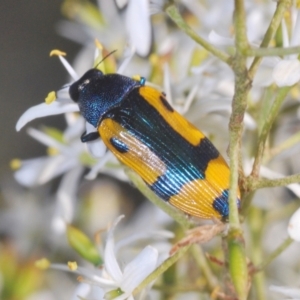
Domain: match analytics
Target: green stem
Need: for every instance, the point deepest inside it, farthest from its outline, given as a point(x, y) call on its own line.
point(174, 213)
point(174, 14)
point(161, 269)
point(256, 222)
point(204, 267)
point(282, 93)
point(282, 6)
point(234, 167)
point(241, 40)
point(287, 144)
point(265, 183)
point(247, 199)
point(236, 248)
point(259, 282)
point(179, 289)
point(274, 254)
point(261, 52)
point(239, 104)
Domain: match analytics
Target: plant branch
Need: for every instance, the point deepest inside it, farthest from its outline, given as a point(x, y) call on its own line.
point(260, 52)
point(174, 14)
point(239, 104)
point(236, 247)
point(161, 269)
point(274, 255)
point(241, 40)
point(265, 183)
point(256, 221)
point(282, 93)
point(282, 6)
point(204, 267)
point(287, 144)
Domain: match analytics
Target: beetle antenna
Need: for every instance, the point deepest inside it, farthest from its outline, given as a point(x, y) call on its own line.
point(106, 56)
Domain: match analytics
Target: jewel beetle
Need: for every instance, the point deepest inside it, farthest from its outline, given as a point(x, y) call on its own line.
point(137, 123)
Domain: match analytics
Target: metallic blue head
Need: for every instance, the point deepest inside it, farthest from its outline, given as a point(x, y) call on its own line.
point(96, 93)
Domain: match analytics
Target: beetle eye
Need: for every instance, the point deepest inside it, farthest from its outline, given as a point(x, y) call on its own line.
point(79, 85)
point(83, 84)
point(74, 91)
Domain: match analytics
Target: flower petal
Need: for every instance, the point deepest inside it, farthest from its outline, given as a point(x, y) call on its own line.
point(264, 73)
point(66, 194)
point(74, 128)
point(45, 139)
point(43, 110)
point(40, 170)
point(121, 3)
point(285, 34)
point(96, 168)
point(292, 293)
point(139, 268)
point(139, 26)
point(249, 122)
point(111, 264)
point(58, 165)
point(145, 235)
point(287, 72)
point(220, 40)
point(294, 226)
point(82, 290)
point(97, 147)
point(68, 67)
point(295, 39)
point(30, 170)
point(129, 52)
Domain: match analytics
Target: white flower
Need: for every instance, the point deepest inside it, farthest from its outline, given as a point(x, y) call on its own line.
point(284, 72)
point(291, 293)
point(128, 22)
point(131, 275)
point(287, 70)
point(60, 106)
point(66, 160)
point(138, 25)
point(66, 197)
point(55, 103)
point(115, 276)
point(40, 170)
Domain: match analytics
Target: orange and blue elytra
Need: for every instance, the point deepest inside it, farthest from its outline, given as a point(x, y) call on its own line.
point(140, 127)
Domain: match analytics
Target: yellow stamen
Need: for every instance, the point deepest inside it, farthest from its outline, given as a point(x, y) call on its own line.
point(51, 151)
point(99, 57)
point(42, 264)
point(50, 97)
point(98, 44)
point(57, 53)
point(295, 92)
point(15, 164)
point(154, 59)
point(72, 265)
point(136, 77)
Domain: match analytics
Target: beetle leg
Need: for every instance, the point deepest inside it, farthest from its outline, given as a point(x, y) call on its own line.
point(92, 136)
